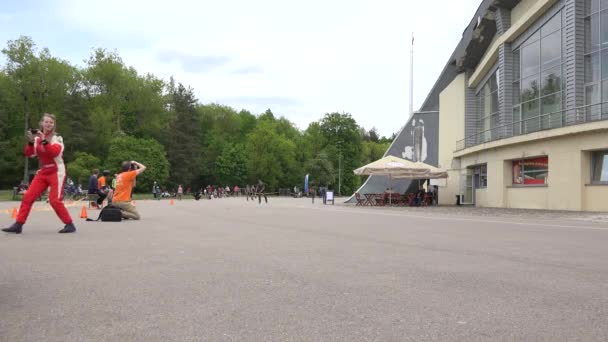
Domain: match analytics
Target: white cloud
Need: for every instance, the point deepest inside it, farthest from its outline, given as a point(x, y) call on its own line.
point(323, 56)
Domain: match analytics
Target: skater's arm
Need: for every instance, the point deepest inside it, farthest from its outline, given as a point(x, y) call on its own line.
point(140, 167)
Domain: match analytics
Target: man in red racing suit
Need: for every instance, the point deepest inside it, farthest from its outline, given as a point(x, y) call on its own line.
point(48, 147)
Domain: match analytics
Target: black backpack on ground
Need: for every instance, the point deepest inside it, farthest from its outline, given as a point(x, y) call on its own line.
point(109, 213)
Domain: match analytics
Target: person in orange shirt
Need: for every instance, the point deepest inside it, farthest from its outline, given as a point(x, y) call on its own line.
point(124, 185)
point(102, 187)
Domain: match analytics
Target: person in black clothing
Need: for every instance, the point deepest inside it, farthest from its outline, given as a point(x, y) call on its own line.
point(259, 189)
point(21, 188)
point(198, 194)
point(109, 190)
point(93, 185)
point(102, 187)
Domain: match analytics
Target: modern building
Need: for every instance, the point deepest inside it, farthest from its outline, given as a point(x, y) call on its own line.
point(523, 107)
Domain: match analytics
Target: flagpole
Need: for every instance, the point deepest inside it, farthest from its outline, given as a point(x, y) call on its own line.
point(412, 77)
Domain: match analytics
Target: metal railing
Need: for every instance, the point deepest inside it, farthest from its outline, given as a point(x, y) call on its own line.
point(565, 117)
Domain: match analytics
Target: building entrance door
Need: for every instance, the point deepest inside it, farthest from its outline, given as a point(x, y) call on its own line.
point(468, 189)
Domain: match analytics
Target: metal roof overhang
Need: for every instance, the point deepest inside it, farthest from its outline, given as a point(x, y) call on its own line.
point(476, 39)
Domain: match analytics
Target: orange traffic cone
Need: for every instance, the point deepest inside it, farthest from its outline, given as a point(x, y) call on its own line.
point(171, 202)
point(83, 212)
point(14, 213)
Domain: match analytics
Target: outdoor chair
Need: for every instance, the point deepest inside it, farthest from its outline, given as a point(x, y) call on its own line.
point(360, 201)
point(395, 199)
point(427, 199)
point(92, 200)
point(380, 200)
point(409, 199)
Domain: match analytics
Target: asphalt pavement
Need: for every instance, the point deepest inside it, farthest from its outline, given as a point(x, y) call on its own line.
point(290, 270)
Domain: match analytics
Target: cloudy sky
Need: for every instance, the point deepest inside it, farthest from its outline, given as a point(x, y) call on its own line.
point(301, 59)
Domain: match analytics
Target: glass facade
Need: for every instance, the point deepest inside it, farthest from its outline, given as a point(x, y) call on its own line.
point(599, 167)
point(488, 110)
point(537, 79)
point(596, 59)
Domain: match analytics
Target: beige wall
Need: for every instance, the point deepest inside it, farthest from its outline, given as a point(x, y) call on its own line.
point(481, 195)
point(594, 197)
point(451, 129)
point(446, 195)
point(569, 174)
point(451, 119)
point(527, 198)
point(522, 7)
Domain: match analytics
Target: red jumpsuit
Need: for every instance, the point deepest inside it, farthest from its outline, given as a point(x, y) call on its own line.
point(52, 173)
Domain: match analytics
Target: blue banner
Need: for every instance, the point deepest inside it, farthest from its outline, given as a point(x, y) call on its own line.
point(306, 184)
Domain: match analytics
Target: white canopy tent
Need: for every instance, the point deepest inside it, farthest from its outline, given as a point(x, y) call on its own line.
point(395, 167)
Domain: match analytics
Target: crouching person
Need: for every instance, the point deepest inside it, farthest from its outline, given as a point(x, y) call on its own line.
point(124, 185)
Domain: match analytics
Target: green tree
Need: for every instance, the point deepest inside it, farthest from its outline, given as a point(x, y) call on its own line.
point(247, 123)
point(106, 81)
point(221, 126)
point(34, 83)
point(80, 169)
point(108, 111)
point(144, 108)
point(321, 170)
point(372, 151)
point(344, 147)
point(76, 127)
point(267, 116)
point(183, 145)
point(271, 156)
point(146, 151)
point(11, 139)
point(231, 166)
point(389, 140)
point(313, 141)
point(373, 135)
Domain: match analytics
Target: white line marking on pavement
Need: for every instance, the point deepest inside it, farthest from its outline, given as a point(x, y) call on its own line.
point(452, 218)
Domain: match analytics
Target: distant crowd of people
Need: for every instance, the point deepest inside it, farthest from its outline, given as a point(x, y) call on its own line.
point(249, 191)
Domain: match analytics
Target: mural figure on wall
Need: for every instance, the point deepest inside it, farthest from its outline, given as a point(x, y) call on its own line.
point(417, 152)
point(416, 141)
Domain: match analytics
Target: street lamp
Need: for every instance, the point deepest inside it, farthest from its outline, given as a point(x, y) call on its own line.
point(339, 173)
point(339, 167)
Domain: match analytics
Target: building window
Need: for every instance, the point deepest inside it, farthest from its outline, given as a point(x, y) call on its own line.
point(599, 162)
point(481, 176)
point(596, 59)
point(537, 79)
point(532, 171)
point(488, 110)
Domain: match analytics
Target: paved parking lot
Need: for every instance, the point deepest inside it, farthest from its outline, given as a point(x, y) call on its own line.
point(232, 270)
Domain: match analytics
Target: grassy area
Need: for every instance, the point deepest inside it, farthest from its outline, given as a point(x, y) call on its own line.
point(147, 196)
point(143, 196)
point(6, 195)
